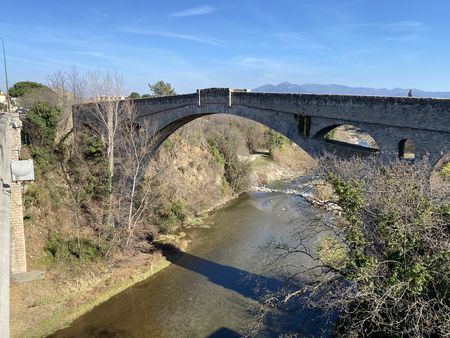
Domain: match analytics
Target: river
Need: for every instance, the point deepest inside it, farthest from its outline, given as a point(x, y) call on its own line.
point(207, 292)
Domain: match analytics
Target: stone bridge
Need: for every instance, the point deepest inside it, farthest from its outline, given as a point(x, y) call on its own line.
point(306, 118)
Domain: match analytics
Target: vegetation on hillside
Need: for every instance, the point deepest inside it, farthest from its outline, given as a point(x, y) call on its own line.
point(384, 266)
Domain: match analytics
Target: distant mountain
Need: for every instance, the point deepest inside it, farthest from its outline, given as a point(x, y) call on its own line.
point(311, 88)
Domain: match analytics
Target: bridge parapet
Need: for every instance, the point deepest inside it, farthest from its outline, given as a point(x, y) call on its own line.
point(418, 113)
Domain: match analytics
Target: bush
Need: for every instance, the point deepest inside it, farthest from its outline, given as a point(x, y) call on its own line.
point(168, 144)
point(215, 152)
point(92, 146)
point(445, 171)
point(171, 216)
point(397, 237)
point(43, 120)
point(40, 125)
point(70, 250)
point(223, 148)
point(275, 140)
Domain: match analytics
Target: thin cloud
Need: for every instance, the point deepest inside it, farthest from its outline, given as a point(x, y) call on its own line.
point(201, 10)
point(88, 53)
point(411, 26)
point(195, 38)
point(268, 65)
point(290, 40)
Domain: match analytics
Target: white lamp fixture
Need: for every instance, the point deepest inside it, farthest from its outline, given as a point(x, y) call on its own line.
point(22, 170)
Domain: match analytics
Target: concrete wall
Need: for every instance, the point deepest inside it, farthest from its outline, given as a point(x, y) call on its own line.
point(5, 202)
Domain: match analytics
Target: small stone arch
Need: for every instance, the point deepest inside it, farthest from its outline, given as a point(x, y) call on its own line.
point(350, 136)
point(407, 150)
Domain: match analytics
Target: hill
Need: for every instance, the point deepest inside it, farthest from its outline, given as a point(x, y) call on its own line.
point(312, 88)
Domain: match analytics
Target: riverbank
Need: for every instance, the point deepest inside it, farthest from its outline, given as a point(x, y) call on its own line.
point(44, 306)
point(208, 291)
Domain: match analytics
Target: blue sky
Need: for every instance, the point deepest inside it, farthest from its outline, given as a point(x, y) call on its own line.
point(243, 44)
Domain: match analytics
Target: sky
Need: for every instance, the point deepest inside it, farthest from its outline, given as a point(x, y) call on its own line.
point(238, 44)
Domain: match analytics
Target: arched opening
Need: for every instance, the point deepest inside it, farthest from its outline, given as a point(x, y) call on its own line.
point(210, 158)
point(407, 150)
point(349, 135)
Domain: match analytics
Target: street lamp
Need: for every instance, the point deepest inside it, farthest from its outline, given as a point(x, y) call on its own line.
point(8, 103)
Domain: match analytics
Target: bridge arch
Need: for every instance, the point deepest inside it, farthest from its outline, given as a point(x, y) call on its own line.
point(407, 150)
point(349, 139)
point(349, 135)
point(284, 123)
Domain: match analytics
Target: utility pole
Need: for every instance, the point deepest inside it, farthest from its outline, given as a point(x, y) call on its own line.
point(8, 101)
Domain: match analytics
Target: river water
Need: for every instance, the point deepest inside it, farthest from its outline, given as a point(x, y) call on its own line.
point(207, 292)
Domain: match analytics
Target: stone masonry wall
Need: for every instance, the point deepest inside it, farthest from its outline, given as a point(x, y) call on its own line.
point(18, 253)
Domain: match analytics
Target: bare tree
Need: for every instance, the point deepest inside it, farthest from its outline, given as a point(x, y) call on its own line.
point(108, 113)
point(137, 140)
point(70, 87)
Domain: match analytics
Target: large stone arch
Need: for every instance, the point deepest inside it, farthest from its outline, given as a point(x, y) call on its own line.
point(285, 124)
point(288, 124)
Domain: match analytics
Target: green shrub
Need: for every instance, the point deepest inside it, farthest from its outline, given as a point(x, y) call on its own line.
point(63, 249)
point(92, 146)
point(43, 157)
point(41, 126)
point(330, 135)
point(223, 148)
point(168, 144)
point(215, 152)
point(43, 120)
point(275, 140)
point(445, 171)
point(171, 216)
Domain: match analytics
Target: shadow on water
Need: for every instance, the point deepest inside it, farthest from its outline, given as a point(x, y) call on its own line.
point(243, 282)
point(224, 332)
point(304, 321)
